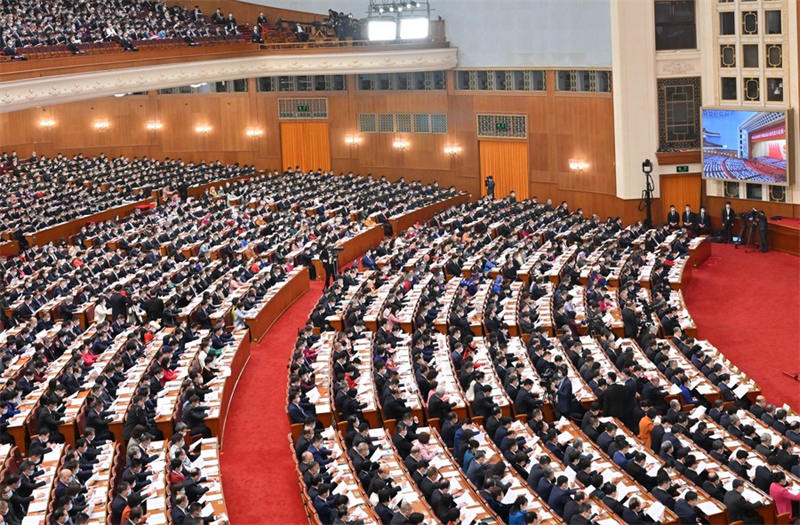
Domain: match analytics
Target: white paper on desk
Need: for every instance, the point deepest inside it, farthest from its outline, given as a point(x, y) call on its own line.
point(741, 390)
point(623, 490)
point(32, 520)
point(37, 506)
point(699, 411)
point(313, 395)
point(608, 475)
point(607, 521)
point(655, 510)
point(208, 510)
point(463, 500)
point(378, 454)
point(751, 496)
point(709, 508)
point(468, 516)
point(198, 463)
point(570, 474)
point(509, 498)
point(564, 438)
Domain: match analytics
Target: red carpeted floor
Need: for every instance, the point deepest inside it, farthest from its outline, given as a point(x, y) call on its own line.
point(258, 475)
point(748, 306)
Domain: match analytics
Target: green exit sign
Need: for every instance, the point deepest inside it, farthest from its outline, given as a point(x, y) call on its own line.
point(302, 108)
point(501, 126)
point(682, 169)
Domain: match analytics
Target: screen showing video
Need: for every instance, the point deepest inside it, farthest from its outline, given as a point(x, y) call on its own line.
point(746, 146)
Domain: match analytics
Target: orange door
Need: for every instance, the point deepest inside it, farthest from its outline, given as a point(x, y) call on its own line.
point(305, 144)
point(507, 162)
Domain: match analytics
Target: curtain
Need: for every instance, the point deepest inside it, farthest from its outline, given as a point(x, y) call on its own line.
point(507, 162)
point(679, 190)
point(305, 144)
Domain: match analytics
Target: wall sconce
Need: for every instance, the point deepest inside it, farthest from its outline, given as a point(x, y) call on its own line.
point(100, 125)
point(452, 150)
point(577, 165)
point(154, 125)
point(352, 140)
point(401, 144)
point(253, 132)
point(47, 123)
point(202, 128)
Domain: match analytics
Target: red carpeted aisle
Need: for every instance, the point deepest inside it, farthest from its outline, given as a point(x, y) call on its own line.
point(748, 306)
point(258, 475)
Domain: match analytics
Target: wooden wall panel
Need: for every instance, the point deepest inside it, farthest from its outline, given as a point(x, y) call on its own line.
point(560, 126)
point(680, 190)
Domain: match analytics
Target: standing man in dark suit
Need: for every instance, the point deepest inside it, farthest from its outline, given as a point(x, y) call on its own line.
point(615, 399)
point(564, 393)
point(728, 219)
point(489, 182)
point(119, 303)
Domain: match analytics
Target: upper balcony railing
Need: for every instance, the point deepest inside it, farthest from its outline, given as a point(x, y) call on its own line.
point(45, 61)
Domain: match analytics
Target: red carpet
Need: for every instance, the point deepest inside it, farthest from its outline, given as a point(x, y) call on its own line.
point(258, 474)
point(748, 306)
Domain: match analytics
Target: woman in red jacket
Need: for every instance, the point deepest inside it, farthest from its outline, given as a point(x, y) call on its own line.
point(778, 492)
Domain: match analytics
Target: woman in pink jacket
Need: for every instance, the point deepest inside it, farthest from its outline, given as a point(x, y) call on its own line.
point(778, 492)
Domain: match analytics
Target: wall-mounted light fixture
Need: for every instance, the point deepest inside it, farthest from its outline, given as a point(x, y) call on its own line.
point(47, 123)
point(577, 165)
point(154, 125)
point(352, 140)
point(401, 144)
point(452, 150)
point(254, 132)
point(202, 128)
point(100, 125)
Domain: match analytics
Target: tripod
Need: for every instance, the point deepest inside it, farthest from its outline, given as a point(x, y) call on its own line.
point(746, 235)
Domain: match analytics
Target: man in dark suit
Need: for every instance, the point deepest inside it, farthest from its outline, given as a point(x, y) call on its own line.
point(559, 495)
point(119, 303)
point(673, 217)
point(615, 398)
point(728, 220)
point(179, 509)
point(685, 508)
point(688, 218)
point(564, 394)
point(120, 502)
point(703, 222)
point(738, 507)
point(437, 406)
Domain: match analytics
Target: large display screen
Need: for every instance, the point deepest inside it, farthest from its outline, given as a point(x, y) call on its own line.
point(746, 146)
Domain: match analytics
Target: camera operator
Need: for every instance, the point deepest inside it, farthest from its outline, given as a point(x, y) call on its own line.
point(760, 219)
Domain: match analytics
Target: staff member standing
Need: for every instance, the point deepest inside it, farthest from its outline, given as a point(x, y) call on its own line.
point(728, 218)
point(329, 259)
point(489, 182)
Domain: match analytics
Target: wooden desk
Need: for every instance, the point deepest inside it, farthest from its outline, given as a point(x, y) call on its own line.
point(699, 253)
point(784, 236)
point(64, 230)
point(406, 220)
point(292, 290)
point(236, 363)
point(9, 248)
